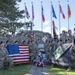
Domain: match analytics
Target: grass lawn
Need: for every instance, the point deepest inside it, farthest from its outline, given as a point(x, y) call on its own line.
point(60, 71)
point(22, 69)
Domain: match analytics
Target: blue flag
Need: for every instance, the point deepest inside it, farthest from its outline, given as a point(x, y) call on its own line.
point(53, 12)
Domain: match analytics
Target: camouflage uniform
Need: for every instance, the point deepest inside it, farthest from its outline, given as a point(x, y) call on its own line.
point(48, 50)
point(63, 38)
point(12, 40)
point(72, 59)
point(21, 39)
point(4, 39)
point(69, 37)
point(33, 50)
point(73, 56)
point(4, 58)
point(53, 48)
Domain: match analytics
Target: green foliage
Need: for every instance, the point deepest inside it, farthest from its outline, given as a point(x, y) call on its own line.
point(10, 14)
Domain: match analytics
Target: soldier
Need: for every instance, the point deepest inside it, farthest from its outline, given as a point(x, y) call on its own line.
point(48, 50)
point(13, 38)
point(69, 36)
point(7, 43)
point(72, 64)
point(4, 37)
point(59, 42)
point(4, 58)
point(74, 36)
point(73, 55)
point(72, 59)
point(33, 50)
point(63, 36)
point(53, 48)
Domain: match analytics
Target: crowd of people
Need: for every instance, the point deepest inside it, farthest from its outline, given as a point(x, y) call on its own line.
point(50, 44)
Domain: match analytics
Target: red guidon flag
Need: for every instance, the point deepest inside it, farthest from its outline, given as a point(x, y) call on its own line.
point(43, 18)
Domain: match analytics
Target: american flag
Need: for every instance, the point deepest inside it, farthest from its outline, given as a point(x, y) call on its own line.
point(22, 56)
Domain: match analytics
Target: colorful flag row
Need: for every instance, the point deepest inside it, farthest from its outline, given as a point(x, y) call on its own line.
point(42, 12)
point(61, 11)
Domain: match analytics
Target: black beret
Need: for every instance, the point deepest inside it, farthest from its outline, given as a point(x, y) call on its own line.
point(1, 42)
point(16, 41)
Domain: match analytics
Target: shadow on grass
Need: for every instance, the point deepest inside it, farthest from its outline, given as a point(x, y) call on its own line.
point(57, 70)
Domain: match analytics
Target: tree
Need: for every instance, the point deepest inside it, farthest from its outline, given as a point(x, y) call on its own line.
point(10, 14)
point(30, 25)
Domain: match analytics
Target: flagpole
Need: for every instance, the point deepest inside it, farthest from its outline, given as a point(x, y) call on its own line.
point(59, 20)
point(25, 16)
point(51, 18)
point(41, 18)
point(32, 15)
point(67, 13)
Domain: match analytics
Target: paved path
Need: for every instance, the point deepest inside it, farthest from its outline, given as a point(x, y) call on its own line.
point(38, 71)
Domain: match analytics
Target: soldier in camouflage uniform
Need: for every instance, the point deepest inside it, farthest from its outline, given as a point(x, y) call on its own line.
point(13, 38)
point(72, 59)
point(48, 50)
point(53, 46)
point(33, 50)
point(4, 37)
point(21, 38)
point(4, 58)
point(63, 36)
point(72, 64)
point(69, 36)
point(73, 55)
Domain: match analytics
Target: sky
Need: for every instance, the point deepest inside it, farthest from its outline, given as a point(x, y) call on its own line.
point(47, 14)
